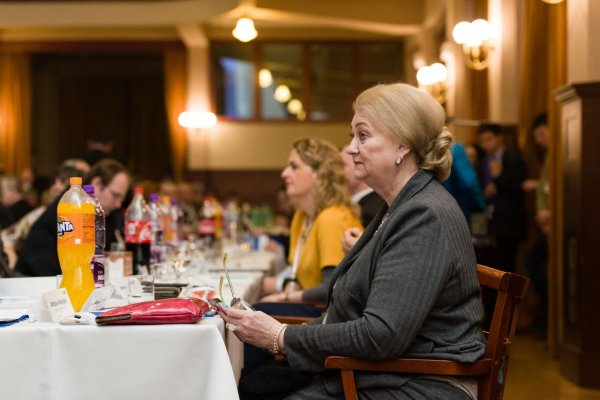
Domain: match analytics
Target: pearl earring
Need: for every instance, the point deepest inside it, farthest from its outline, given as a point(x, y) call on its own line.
point(398, 160)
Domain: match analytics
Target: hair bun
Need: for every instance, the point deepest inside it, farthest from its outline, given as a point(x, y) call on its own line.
point(436, 157)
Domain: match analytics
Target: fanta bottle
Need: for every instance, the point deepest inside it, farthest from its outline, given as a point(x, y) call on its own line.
point(75, 242)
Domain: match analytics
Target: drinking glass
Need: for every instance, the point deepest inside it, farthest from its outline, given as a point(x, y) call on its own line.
point(141, 288)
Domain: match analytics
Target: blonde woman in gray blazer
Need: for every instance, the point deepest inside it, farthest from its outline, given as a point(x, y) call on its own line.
point(409, 285)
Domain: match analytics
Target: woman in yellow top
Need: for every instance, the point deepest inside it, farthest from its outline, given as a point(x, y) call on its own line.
point(318, 187)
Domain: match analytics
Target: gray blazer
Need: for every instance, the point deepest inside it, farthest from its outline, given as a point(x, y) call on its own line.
point(408, 288)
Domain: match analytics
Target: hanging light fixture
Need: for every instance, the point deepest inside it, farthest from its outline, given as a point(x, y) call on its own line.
point(282, 94)
point(475, 38)
point(294, 106)
point(265, 78)
point(433, 78)
point(244, 30)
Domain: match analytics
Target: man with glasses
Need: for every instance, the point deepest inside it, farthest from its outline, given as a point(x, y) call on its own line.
point(39, 256)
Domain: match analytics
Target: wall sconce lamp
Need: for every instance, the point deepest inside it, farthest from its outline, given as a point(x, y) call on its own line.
point(197, 120)
point(475, 38)
point(432, 78)
point(244, 30)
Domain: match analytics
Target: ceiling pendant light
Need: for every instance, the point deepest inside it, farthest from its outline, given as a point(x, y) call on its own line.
point(244, 30)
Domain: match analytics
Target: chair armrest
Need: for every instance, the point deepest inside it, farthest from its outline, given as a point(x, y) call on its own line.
point(412, 366)
point(292, 320)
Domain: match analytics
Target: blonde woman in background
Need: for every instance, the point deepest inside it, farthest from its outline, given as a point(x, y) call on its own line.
point(316, 184)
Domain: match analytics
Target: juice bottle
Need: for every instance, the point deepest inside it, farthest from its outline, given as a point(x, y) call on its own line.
point(76, 242)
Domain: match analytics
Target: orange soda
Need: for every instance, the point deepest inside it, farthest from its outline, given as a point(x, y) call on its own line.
point(75, 242)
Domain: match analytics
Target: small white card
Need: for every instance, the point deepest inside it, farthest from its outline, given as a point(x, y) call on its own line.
point(115, 269)
point(57, 303)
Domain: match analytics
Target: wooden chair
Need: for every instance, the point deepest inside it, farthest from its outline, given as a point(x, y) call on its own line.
point(490, 369)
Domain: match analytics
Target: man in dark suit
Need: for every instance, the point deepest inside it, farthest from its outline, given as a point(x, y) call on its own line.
point(39, 256)
point(503, 175)
point(100, 146)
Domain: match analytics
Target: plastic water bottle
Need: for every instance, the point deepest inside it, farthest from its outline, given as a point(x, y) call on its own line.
point(138, 232)
point(75, 242)
point(176, 222)
point(158, 249)
point(98, 261)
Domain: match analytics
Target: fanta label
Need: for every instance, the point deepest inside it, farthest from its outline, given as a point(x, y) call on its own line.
point(138, 232)
point(75, 228)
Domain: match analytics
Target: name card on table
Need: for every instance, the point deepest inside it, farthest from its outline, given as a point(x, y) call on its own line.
point(117, 265)
point(56, 305)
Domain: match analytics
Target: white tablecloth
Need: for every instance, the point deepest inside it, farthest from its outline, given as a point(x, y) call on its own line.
point(52, 361)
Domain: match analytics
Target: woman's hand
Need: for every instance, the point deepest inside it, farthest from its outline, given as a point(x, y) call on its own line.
point(273, 298)
point(349, 238)
point(269, 284)
point(253, 327)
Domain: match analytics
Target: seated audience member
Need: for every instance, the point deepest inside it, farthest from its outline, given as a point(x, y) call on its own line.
point(13, 201)
point(39, 256)
point(5, 271)
point(317, 186)
point(32, 186)
point(16, 234)
point(77, 163)
point(408, 287)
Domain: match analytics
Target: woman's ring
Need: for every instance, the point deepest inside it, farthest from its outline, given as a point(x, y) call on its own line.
point(231, 327)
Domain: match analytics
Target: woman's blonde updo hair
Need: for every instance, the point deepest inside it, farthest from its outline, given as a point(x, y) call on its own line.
point(331, 187)
point(414, 118)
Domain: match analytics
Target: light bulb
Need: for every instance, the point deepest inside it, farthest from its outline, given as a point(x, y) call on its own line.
point(265, 79)
point(301, 115)
point(294, 106)
point(439, 72)
point(282, 94)
point(482, 29)
point(461, 32)
point(244, 30)
point(190, 119)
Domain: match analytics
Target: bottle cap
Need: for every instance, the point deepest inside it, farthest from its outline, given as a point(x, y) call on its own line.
point(75, 180)
point(89, 189)
point(153, 196)
point(138, 190)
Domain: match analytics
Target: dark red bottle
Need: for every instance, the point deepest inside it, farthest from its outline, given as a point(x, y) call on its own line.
point(138, 232)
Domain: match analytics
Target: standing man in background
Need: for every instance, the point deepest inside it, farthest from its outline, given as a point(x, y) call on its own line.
point(99, 146)
point(536, 259)
point(503, 175)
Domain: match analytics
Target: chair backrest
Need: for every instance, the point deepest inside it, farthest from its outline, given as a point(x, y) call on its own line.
point(510, 289)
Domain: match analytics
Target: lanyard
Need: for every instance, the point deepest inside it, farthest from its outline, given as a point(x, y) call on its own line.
point(300, 246)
